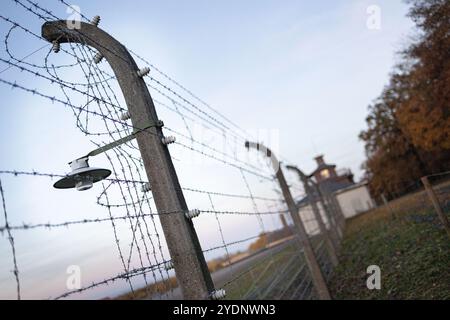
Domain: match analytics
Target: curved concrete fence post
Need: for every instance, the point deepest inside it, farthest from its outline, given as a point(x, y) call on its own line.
point(189, 263)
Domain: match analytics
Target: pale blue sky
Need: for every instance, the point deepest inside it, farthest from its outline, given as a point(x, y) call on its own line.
point(306, 70)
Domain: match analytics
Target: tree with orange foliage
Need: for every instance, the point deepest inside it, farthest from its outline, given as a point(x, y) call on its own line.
point(408, 134)
point(425, 115)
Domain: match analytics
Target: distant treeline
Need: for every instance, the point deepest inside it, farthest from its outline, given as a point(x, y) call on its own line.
point(408, 134)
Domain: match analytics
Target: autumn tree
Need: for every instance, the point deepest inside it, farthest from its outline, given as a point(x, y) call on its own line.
point(425, 115)
point(408, 132)
point(259, 244)
point(393, 161)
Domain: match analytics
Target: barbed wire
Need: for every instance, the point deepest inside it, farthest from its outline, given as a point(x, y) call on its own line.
point(60, 81)
point(98, 110)
point(11, 241)
point(117, 180)
point(126, 275)
point(153, 67)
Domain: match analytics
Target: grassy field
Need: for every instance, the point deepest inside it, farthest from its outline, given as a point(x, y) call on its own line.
point(411, 248)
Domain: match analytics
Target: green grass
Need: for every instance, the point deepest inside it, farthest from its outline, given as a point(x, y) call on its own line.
point(412, 250)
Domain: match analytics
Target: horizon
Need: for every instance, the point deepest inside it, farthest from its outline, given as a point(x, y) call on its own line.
point(282, 73)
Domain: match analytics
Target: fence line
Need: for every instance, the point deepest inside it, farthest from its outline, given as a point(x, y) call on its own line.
point(98, 112)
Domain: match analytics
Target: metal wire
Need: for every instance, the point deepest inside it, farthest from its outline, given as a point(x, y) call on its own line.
point(97, 105)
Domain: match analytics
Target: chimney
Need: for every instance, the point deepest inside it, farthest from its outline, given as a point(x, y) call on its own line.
point(319, 160)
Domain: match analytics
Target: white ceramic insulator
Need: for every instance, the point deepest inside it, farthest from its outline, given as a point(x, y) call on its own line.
point(56, 46)
point(192, 213)
point(168, 265)
point(143, 72)
point(95, 20)
point(218, 294)
point(168, 140)
point(125, 116)
point(98, 57)
point(146, 187)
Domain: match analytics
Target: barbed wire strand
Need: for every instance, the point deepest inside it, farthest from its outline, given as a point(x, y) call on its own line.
point(102, 106)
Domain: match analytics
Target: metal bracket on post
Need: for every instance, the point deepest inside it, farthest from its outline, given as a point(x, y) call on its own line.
point(190, 266)
point(323, 229)
point(311, 260)
point(123, 140)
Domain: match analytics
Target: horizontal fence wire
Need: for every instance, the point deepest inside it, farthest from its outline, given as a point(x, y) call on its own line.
point(252, 249)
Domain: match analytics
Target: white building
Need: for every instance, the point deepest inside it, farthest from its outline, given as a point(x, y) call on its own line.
point(355, 199)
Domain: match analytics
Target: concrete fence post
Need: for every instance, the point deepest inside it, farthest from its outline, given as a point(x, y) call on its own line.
point(318, 278)
point(436, 204)
point(189, 263)
point(318, 217)
point(336, 210)
point(388, 206)
point(337, 233)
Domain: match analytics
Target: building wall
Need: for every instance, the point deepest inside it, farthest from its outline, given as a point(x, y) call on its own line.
point(309, 221)
point(355, 200)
